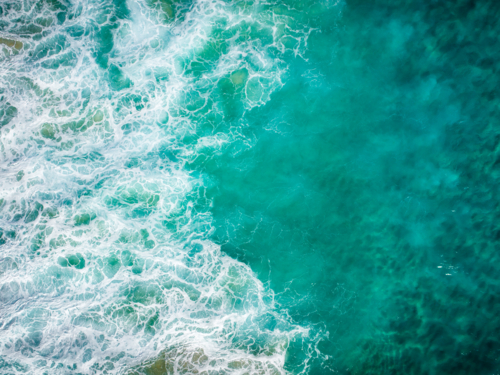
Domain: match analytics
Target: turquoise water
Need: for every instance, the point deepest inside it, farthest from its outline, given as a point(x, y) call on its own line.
point(245, 187)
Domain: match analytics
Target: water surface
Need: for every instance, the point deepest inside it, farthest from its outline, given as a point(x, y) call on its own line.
point(245, 187)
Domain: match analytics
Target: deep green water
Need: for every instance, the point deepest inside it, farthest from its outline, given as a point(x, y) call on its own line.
point(245, 187)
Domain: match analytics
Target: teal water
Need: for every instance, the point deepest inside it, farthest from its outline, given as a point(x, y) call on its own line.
point(245, 187)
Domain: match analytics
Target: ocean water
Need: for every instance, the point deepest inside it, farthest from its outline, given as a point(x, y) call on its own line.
point(249, 187)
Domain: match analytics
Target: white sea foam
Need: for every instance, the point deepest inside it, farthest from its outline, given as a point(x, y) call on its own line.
point(106, 263)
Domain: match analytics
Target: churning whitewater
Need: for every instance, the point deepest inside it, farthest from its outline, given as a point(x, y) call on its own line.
point(106, 262)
